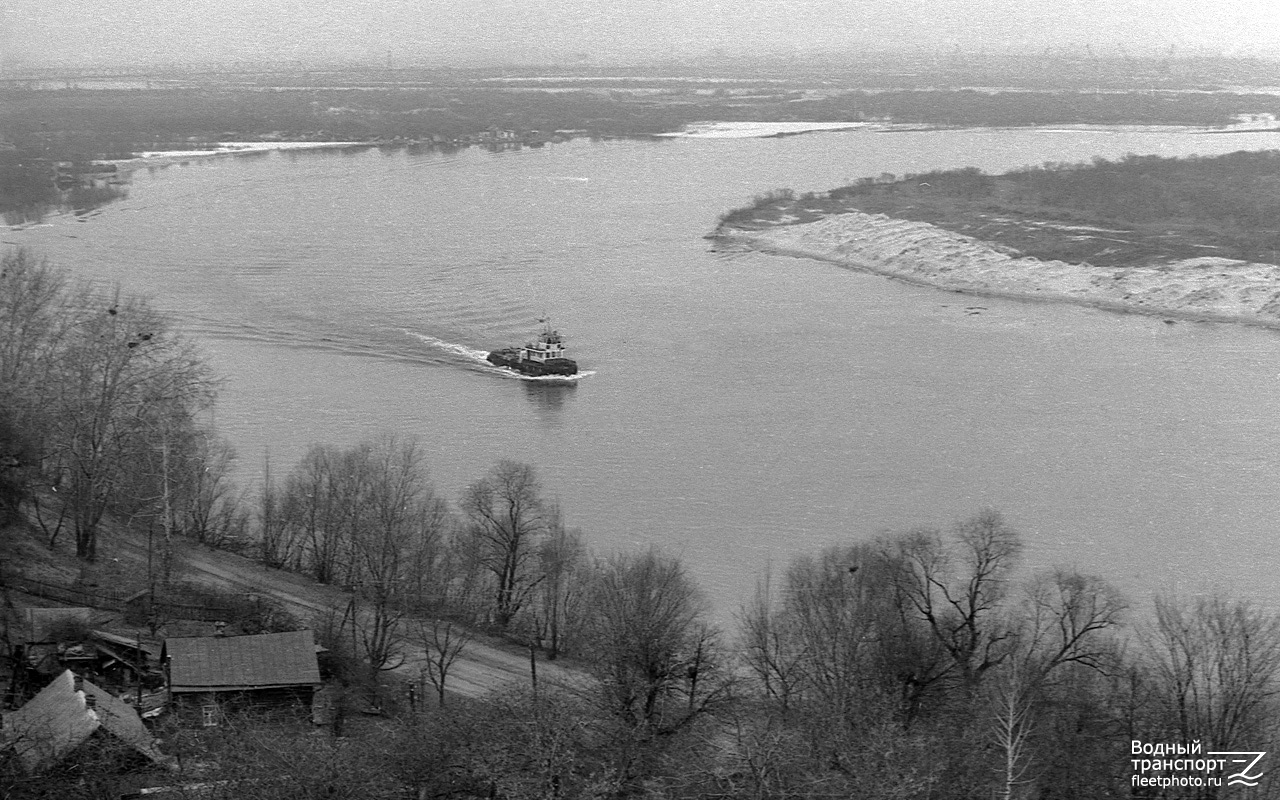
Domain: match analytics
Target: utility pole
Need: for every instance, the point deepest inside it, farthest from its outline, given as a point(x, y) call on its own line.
point(140, 658)
point(533, 669)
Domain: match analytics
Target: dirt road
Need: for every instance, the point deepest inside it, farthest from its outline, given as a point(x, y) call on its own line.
point(485, 665)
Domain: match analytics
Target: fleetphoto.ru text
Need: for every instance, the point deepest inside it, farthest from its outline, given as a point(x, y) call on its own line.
point(1181, 764)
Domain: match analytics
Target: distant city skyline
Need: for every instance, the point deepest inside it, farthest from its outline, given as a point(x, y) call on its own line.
point(93, 32)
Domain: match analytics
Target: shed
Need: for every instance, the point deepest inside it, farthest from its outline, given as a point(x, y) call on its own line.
point(63, 716)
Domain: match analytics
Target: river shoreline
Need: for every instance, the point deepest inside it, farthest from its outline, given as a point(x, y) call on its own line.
point(1208, 289)
point(160, 158)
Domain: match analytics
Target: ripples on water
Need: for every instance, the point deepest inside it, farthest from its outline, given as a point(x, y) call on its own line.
point(741, 409)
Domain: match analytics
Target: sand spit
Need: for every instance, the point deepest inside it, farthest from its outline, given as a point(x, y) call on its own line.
point(155, 158)
point(1219, 289)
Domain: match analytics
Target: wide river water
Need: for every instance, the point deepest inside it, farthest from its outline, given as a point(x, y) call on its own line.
point(739, 408)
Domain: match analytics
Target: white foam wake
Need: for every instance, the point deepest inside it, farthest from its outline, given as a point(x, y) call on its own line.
point(469, 353)
point(574, 378)
point(481, 357)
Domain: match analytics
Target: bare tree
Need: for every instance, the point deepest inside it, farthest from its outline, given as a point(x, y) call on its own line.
point(278, 539)
point(1215, 665)
point(363, 516)
point(659, 665)
point(312, 506)
point(657, 657)
point(430, 563)
point(164, 481)
point(562, 565)
point(380, 543)
point(443, 642)
point(209, 507)
point(506, 521)
point(772, 646)
point(822, 642)
point(396, 505)
point(1066, 625)
point(1068, 616)
point(462, 582)
point(34, 321)
point(1013, 703)
point(957, 590)
point(18, 457)
point(96, 381)
point(123, 374)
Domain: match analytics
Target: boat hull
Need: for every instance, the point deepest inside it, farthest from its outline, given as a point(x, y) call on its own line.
point(553, 366)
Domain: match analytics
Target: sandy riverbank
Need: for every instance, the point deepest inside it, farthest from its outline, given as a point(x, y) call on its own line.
point(155, 158)
point(1208, 288)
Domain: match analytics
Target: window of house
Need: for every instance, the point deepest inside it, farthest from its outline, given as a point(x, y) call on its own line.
point(210, 715)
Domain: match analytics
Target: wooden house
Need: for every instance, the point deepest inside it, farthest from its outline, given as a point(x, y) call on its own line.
point(267, 670)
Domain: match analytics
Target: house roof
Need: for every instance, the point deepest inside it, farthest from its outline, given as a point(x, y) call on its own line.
point(237, 663)
point(59, 719)
point(127, 642)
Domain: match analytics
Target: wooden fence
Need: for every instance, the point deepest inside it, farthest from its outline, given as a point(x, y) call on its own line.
point(111, 600)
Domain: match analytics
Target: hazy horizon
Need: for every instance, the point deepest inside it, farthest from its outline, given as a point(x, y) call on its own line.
point(36, 33)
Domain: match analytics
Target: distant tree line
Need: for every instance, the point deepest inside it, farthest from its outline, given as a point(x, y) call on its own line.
point(1231, 201)
point(101, 123)
point(82, 125)
point(1239, 191)
point(1017, 109)
point(1225, 205)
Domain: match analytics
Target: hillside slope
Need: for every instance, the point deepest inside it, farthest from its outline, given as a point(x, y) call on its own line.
point(487, 664)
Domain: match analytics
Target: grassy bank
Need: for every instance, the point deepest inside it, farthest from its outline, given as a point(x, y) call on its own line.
point(1139, 210)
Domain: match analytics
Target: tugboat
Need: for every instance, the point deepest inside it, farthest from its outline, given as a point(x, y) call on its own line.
point(543, 357)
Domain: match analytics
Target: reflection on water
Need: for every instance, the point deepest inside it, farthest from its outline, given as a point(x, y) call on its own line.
point(549, 395)
point(318, 153)
point(34, 198)
point(83, 199)
point(26, 214)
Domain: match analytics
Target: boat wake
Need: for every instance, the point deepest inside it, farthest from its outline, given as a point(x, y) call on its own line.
point(460, 350)
point(479, 358)
point(312, 335)
point(549, 379)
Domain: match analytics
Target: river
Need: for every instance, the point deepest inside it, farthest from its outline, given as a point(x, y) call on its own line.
point(739, 408)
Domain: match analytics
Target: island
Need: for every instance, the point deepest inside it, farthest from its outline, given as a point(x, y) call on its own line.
point(1192, 238)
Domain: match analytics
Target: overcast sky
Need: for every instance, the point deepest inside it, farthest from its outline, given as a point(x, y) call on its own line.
point(70, 31)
